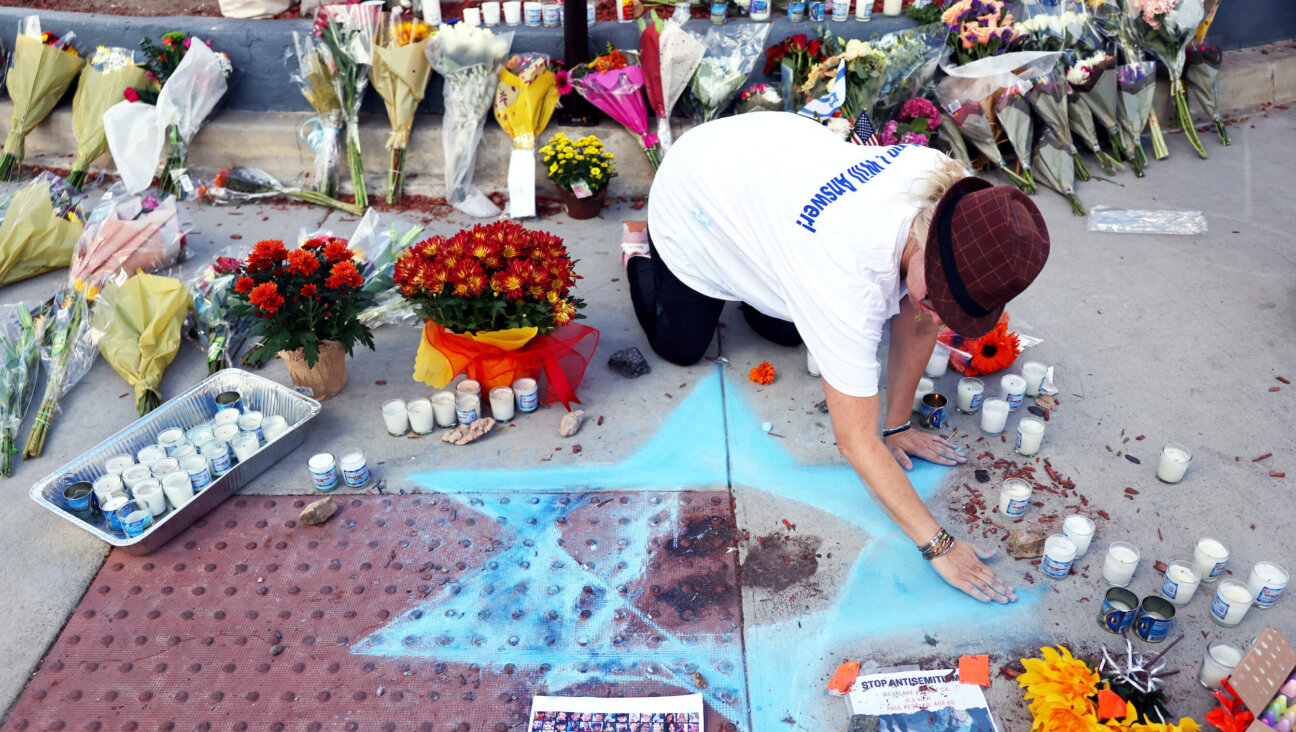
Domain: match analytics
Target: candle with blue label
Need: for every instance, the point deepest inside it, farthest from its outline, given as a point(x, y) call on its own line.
point(816, 11)
point(1267, 582)
point(796, 11)
point(719, 12)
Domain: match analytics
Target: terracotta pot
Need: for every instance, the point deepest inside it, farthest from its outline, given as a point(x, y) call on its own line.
point(326, 378)
point(582, 208)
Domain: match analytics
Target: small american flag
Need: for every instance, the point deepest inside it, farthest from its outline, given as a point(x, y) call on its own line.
point(863, 133)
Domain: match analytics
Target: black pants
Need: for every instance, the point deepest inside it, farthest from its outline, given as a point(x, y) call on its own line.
point(680, 321)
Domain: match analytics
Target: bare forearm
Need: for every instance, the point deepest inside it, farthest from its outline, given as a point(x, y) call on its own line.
point(912, 341)
point(890, 487)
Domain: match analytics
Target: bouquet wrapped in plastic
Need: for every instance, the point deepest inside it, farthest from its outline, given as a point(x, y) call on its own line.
point(1013, 114)
point(790, 62)
point(669, 56)
point(1056, 168)
point(212, 324)
point(400, 74)
point(1137, 84)
point(1201, 74)
point(860, 66)
point(240, 185)
point(381, 240)
point(731, 54)
point(108, 74)
point(614, 83)
point(21, 332)
point(1094, 81)
point(312, 69)
point(1165, 27)
point(760, 98)
point(141, 320)
point(69, 349)
point(41, 224)
point(967, 102)
point(524, 103)
point(347, 31)
point(1048, 98)
point(470, 60)
point(42, 69)
point(912, 57)
point(126, 233)
point(1083, 129)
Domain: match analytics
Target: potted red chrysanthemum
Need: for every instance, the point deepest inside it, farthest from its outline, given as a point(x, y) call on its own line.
point(304, 305)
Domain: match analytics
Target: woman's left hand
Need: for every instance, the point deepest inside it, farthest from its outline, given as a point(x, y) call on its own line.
point(929, 447)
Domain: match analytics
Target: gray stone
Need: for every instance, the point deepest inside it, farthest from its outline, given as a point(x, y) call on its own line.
point(629, 362)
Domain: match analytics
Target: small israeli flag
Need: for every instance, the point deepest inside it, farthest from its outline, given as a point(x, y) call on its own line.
point(826, 106)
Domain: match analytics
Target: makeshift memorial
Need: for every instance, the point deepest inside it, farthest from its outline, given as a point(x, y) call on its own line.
point(790, 61)
point(109, 72)
point(980, 29)
point(304, 306)
point(21, 333)
point(1055, 167)
point(731, 53)
point(400, 74)
point(68, 351)
point(915, 124)
point(141, 320)
point(470, 60)
point(759, 98)
point(212, 325)
point(1012, 112)
point(41, 224)
point(524, 102)
point(669, 55)
point(912, 56)
point(346, 31)
point(683, 712)
point(613, 83)
point(312, 68)
point(1165, 27)
point(232, 186)
point(994, 351)
point(497, 300)
point(379, 239)
point(1201, 74)
point(41, 69)
point(581, 169)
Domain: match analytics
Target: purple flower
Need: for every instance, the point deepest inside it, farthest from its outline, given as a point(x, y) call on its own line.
point(888, 134)
point(913, 138)
point(149, 203)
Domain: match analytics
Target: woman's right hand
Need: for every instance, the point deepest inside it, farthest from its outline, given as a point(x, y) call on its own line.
point(962, 567)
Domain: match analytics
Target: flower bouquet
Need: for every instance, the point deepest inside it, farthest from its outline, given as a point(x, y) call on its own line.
point(498, 304)
point(1012, 112)
point(1094, 81)
point(916, 124)
point(863, 66)
point(1137, 84)
point(994, 351)
point(212, 325)
point(912, 57)
point(141, 320)
point(379, 240)
point(759, 98)
point(126, 233)
point(42, 69)
point(669, 55)
point(791, 61)
point(524, 102)
point(1165, 28)
point(614, 83)
point(240, 185)
point(1047, 95)
point(346, 31)
point(68, 350)
point(304, 306)
point(1201, 74)
point(968, 110)
point(1081, 121)
point(400, 74)
point(470, 59)
point(950, 140)
point(1055, 166)
point(581, 169)
point(313, 75)
point(980, 29)
point(108, 74)
point(21, 333)
point(42, 222)
point(731, 53)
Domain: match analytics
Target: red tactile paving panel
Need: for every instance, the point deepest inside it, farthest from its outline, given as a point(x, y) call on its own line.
point(250, 621)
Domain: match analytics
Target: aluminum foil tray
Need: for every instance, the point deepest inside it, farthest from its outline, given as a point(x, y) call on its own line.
point(190, 409)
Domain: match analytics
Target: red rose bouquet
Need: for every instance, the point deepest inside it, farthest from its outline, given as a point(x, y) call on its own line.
point(498, 303)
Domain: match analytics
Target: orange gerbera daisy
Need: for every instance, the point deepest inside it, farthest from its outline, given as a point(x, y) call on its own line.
point(762, 374)
point(993, 351)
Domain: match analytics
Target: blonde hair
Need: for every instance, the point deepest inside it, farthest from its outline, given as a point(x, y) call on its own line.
point(926, 192)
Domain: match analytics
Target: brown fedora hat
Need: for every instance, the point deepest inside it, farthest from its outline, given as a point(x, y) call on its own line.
point(986, 244)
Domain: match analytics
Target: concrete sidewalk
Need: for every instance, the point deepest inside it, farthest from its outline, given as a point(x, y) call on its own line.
point(1162, 337)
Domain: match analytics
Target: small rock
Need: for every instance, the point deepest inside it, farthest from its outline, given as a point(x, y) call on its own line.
point(570, 423)
point(1023, 544)
point(629, 362)
point(1046, 401)
point(982, 476)
point(700, 681)
point(382, 690)
point(466, 433)
point(767, 426)
point(276, 650)
point(1037, 411)
point(822, 406)
point(318, 512)
point(1133, 459)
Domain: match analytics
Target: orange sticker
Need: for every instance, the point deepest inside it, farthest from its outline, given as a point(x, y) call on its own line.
point(974, 670)
point(844, 678)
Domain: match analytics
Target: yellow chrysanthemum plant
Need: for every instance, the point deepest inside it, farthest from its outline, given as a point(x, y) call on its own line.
point(1064, 694)
point(571, 164)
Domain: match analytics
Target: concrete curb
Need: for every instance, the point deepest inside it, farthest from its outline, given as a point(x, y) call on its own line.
point(1249, 78)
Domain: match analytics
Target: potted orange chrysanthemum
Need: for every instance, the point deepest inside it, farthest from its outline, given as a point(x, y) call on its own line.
point(304, 305)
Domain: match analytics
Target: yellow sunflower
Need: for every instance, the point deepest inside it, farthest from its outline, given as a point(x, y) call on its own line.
point(1064, 717)
point(1058, 677)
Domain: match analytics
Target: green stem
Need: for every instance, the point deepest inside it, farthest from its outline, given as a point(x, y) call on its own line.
point(76, 179)
point(1110, 164)
point(1159, 148)
point(396, 176)
point(1223, 133)
point(319, 199)
point(1082, 171)
point(1015, 179)
point(357, 174)
point(1185, 117)
point(9, 165)
point(1077, 207)
point(1118, 150)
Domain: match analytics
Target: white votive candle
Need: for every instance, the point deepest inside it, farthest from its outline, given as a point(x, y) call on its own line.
point(501, 401)
point(468, 386)
point(527, 394)
point(200, 435)
point(177, 488)
point(1119, 564)
point(164, 466)
point(925, 387)
point(970, 392)
point(1013, 388)
point(1209, 558)
point(1218, 664)
point(1267, 582)
point(251, 422)
point(106, 485)
point(115, 465)
point(150, 455)
point(1030, 434)
point(938, 362)
point(227, 416)
point(472, 17)
point(224, 433)
point(170, 439)
point(1059, 555)
point(420, 415)
point(512, 12)
point(1014, 497)
point(1033, 372)
point(245, 446)
point(1180, 583)
point(891, 8)
point(443, 408)
point(994, 415)
point(1232, 600)
point(198, 470)
point(532, 13)
point(150, 492)
point(1174, 463)
point(136, 473)
point(1079, 529)
point(467, 408)
point(273, 426)
point(491, 13)
point(395, 417)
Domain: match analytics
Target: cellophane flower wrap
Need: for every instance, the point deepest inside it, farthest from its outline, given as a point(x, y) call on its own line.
point(731, 54)
point(69, 349)
point(400, 74)
point(232, 186)
point(1012, 112)
point(212, 324)
point(790, 62)
point(108, 73)
point(499, 306)
point(40, 227)
point(524, 103)
point(312, 68)
point(1137, 84)
point(42, 68)
point(669, 56)
point(910, 72)
point(379, 240)
point(1047, 95)
point(141, 319)
point(187, 98)
point(1165, 28)
point(863, 66)
point(126, 233)
point(760, 98)
point(347, 31)
point(1056, 168)
point(1201, 75)
point(1093, 79)
point(614, 84)
point(470, 60)
point(966, 102)
point(22, 327)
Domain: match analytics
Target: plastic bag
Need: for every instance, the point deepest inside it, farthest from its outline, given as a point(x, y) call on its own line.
point(125, 233)
point(731, 54)
point(135, 140)
point(1134, 221)
point(211, 324)
point(912, 57)
point(70, 348)
point(381, 239)
point(308, 69)
point(22, 326)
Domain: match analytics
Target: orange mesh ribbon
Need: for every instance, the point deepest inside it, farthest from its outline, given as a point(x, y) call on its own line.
point(557, 360)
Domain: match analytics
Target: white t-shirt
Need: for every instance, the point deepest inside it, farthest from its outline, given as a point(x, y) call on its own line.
point(774, 210)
